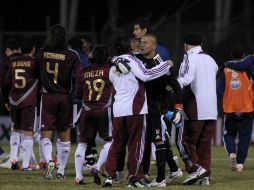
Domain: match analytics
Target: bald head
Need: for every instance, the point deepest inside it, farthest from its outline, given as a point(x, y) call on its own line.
point(148, 45)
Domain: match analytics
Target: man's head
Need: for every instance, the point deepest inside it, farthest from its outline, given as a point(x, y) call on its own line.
point(10, 47)
point(191, 40)
point(237, 52)
point(57, 37)
point(75, 43)
point(27, 45)
point(141, 26)
point(99, 55)
point(87, 44)
point(135, 45)
point(122, 45)
point(148, 45)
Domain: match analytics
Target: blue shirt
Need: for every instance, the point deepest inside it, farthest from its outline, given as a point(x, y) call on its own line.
point(83, 58)
point(163, 52)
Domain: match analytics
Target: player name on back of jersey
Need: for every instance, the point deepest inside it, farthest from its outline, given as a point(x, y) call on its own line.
point(57, 56)
point(95, 73)
point(21, 64)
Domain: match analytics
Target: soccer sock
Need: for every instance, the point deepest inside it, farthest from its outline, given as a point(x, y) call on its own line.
point(161, 153)
point(79, 160)
point(41, 156)
point(64, 151)
point(58, 142)
point(46, 147)
point(21, 149)
point(27, 148)
point(14, 143)
point(103, 156)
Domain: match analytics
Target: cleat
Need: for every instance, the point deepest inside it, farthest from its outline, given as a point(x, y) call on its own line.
point(232, 157)
point(119, 176)
point(14, 165)
point(96, 177)
point(203, 181)
point(6, 164)
point(107, 182)
point(194, 176)
point(42, 165)
point(49, 170)
point(174, 175)
point(239, 167)
point(78, 181)
point(154, 183)
point(137, 184)
point(27, 169)
point(60, 176)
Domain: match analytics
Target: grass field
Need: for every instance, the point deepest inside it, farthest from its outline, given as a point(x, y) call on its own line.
point(222, 177)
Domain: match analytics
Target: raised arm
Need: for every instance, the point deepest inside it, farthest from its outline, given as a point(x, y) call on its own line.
point(241, 65)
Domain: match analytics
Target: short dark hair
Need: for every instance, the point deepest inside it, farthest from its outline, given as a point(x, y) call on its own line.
point(26, 44)
point(12, 44)
point(100, 54)
point(143, 22)
point(57, 38)
point(152, 36)
point(122, 45)
point(75, 43)
point(192, 39)
point(237, 52)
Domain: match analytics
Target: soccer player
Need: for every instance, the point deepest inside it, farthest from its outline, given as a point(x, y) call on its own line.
point(160, 100)
point(129, 110)
point(197, 75)
point(22, 80)
point(141, 26)
point(57, 64)
point(238, 114)
point(94, 87)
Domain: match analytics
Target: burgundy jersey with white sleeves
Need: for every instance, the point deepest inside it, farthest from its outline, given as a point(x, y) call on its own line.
point(130, 97)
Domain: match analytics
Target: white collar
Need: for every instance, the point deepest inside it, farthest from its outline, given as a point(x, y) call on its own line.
point(195, 50)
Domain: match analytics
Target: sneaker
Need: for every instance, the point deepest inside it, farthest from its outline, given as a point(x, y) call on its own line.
point(14, 165)
point(107, 182)
point(50, 170)
point(239, 167)
point(4, 157)
point(27, 169)
point(232, 157)
point(96, 177)
point(119, 176)
point(174, 175)
point(6, 164)
point(137, 184)
point(60, 176)
point(154, 183)
point(79, 181)
point(203, 181)
point(194, 176)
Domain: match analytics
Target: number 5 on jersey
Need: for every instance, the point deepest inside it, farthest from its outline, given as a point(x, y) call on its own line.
point(53, 71)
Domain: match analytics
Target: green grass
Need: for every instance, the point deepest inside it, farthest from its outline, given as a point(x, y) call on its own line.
point(222, 178)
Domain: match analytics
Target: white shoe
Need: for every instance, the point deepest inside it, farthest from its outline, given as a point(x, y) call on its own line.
point(154, 183)
point(194, 176)
point(239, 167)
point(203, 181)
point(49, 171)
point(6, 164)
point(4, 157)
point(174, 175)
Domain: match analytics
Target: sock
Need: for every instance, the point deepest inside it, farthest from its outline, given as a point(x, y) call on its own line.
point(58, 142)
point(64, 151)
point(46, 147)
point(14, 143)
point(41, 156)
point(153, 156)
point(21, 149)
point(33, 159)
point(79, 160)
point(27, 148)
point(161, 153)
point(103, 155)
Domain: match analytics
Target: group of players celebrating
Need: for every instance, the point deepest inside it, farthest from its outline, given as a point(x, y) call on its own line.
point(131, 99)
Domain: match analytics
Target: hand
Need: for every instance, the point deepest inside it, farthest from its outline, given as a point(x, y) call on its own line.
point(170, 62)
point(8, 107)
point(177, 116)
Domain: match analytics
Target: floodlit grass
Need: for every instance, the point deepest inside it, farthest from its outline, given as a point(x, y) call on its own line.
point(222, 178)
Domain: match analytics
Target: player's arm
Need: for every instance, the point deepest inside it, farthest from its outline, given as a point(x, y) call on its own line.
point(79, 86)
point(173, 83)
point(186, 78)
point(139, 70)
point(241, 65)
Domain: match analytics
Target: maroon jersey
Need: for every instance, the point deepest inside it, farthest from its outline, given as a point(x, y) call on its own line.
point(22, 80)
point(93, 85)
point(56, 68)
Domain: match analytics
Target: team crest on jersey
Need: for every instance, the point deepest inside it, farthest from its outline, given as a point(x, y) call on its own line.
point(235, 83)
